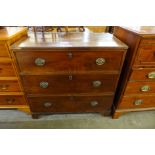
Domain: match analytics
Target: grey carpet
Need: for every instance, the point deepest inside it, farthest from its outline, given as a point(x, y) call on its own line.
point(12, 119)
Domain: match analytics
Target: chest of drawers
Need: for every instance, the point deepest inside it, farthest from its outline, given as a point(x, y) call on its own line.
point(69, 72)
point(11, 93)
point(137, 84)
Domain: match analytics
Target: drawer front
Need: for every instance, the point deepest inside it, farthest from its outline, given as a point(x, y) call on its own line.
point(146, 56)
point(137, 101)
point(147, 41)
point(12, 100)
point(140, 87)
point(6, 68)
point(44, 62)
point(146, 74)
point(4, 50)
point(9, 86)
point(56, 84)
point(70, 103)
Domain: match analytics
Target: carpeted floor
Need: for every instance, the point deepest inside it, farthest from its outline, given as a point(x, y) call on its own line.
point(12, 119)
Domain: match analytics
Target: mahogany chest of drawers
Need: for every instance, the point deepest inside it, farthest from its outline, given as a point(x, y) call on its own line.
point(136, 90)
point(11, 92)
point(69, 72)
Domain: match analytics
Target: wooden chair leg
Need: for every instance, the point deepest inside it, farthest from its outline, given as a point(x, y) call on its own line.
point(34, 29)
point(66, 28)
point(81, 28)
point(59, 29)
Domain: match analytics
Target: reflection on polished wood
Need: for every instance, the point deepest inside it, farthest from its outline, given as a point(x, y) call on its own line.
point(10, 32)
point(69, 39)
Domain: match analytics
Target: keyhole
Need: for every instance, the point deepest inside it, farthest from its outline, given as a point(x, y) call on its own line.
point(70, 77)
point(70, 55)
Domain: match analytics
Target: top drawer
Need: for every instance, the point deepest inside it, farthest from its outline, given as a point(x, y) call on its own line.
point(147, 41)
point(50, 61)
point(146, 55)
point(143, 74)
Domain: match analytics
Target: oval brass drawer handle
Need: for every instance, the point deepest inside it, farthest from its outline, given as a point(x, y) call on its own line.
point(100, 61)
point(97, 83)
point(94, 103)
point(145, 88)
point(44, 84)
point(4, 87)
point(151, 75)
point(138, 102)
point(47, 104)
point(40, 62)
point(10, 100)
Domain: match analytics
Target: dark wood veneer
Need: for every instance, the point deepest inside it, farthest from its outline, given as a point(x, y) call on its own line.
point(75, 80)
point(139, 64)
point(80, 83)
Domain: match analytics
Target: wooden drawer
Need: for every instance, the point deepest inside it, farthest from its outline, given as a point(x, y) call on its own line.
point(137, 101)
point(146, 55)
point(76, 83)
point(147, 41)
point(9, 86)
point(143, 74)
point(4, 52)
point(6, 67)
point(51, 61)
point(140, 87)
point(12, 100)
point(70, 103)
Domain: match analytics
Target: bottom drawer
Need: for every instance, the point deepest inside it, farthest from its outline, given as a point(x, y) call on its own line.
point(70, 103)
point(137, 101)
point(12, 100)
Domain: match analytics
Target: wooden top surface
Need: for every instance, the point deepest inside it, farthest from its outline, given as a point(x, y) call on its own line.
point(68, 39)
point(8, 33)
point(142, 30)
